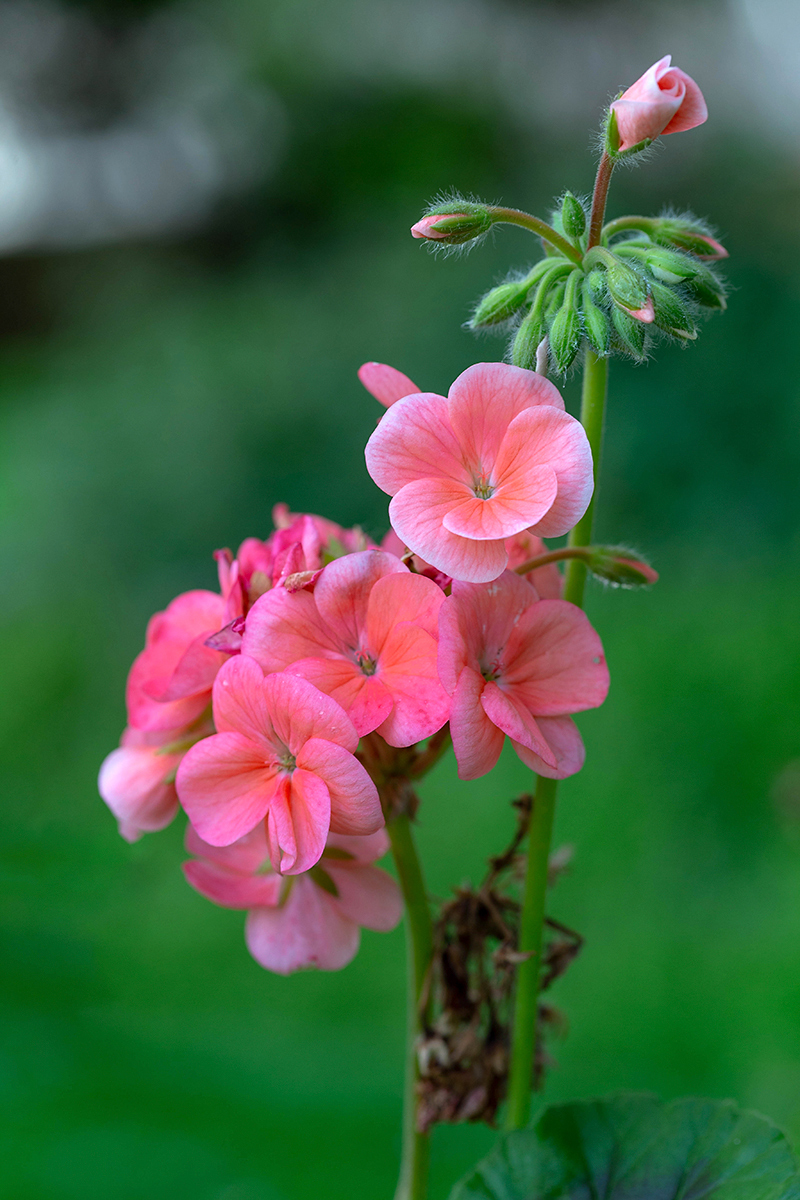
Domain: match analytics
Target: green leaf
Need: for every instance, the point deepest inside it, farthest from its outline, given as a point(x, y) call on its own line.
point(631, 1146)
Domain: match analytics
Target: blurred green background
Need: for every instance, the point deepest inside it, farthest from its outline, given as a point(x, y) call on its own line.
point(181, 321)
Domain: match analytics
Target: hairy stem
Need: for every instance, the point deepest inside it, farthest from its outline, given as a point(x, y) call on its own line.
point(412, 1184)
point(599, 196)
point(513, 216)
point(523, 1041)
point(619, 224)
point(544, 559)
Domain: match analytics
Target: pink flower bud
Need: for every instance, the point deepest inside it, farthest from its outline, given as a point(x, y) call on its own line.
point(427, 227)
point(646, 314)
point(664, 100)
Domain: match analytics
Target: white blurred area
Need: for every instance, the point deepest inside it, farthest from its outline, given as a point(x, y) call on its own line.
point(142, 133)
point(106, 138)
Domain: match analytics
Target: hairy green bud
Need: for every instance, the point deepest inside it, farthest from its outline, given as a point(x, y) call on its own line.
point(688, 235)
point(670, 267)
point(526, 341)
point(619, 567)
point(624, 285)
point(630, 333)
point(454, 223)
point(706, 289)
point(573, 217)
point(671, 314)
point(500, 304)
point(565, 328)
point(595, 322)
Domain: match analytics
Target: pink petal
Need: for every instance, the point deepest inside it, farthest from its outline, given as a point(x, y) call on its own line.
point(245, 856)
point(693, 110)
point(343, 591)
point(229, 888)
point(308, 931)
point(385, 383)
point(355, 807)
point(556, 439)
point(367, 895)
point(240, 704)
point(408, 670)
point(521, 498)
point(306, 805)
point(477, 621)
point(300, 711)
point(414, 440)
point(225, 786)
point(548, 580)
point(194, 673)
point(417, 513)
point(363, 697)
point(477, 741)
point(283, 627)
point(401, 597)
point(363, 849)
point(133, 784)
point(554, 661)
point(566, 746)
point(516, 721)
point(485, 398)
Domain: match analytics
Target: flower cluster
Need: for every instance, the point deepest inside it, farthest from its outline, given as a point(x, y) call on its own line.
point(247, 707)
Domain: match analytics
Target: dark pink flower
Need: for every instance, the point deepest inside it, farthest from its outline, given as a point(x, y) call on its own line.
point(169, 685)
point(367, 637)
point(517, 666)
point(664, 100)
point(284, 753)
point(307, 920)
point(466, 472)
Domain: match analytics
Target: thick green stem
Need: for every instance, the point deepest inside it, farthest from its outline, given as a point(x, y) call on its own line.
point(513, 216)
point(531, 933)
point(412, 1184)
point(593, 407)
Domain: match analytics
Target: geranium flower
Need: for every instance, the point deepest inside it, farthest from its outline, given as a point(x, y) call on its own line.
point(367, 637)
point(284, 753)
point(664, 100)
point(308, 920)
point(517, 666)
point(497, 456)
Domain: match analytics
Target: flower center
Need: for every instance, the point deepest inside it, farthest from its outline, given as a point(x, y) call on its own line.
point(286, 760)
point(481, 486)
point(365, 661)
point(493, 671)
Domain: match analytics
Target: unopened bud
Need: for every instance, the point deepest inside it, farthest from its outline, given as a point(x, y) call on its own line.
point(573, 217)
point(596, 285)
point(671, 314)
point(565, 329)
point(689, 236)
point(617, 566)
point(626, 287)
point(526, 341)
point(707, 290)
point(454, 225)
point(595, 323)
point(670, 267)
point(500, 304)
point(629, 332)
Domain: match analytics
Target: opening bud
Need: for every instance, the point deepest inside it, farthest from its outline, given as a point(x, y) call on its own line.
point(573, 217)
point(630, 333)
point(617, 566)
point(454, 224)
point(625, 287)
point(691, 236)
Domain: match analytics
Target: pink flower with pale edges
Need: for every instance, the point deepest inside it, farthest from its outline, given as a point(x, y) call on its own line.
point(284, 756)
point(664, 100)
point(367, 637)
point(466, 472)
point(517, 666)
point(310, 920)
point(169, 685)
point(137, 782)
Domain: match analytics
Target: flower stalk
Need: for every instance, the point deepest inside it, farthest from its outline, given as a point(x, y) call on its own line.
point(523, 1041)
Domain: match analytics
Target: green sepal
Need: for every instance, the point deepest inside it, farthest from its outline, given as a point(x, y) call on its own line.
point(625, 286)
point(565, 327)
point(526, 341)
point(504, 301)
point(323, 880)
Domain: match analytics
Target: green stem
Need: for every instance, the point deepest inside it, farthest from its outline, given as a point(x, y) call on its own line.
point(593, 407)
point(513, 216)
point(531, 932)
point(544, 560)
point(619, 224)
point(412, 1184)
point(531, 936)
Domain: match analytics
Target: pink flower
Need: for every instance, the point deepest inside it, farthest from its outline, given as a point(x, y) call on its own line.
point(385, 383)
point(499, 455)
point(517, 666)
point(308, 920)
point(664, 100)
point(428, 227)
point(284, 752)
point(137, 780)
point(367, 637)
point(169, 685)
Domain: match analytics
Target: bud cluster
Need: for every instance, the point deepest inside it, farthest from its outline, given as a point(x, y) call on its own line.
point(648, 276)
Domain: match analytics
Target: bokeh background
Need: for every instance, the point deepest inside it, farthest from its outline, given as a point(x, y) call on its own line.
point(204, 214)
